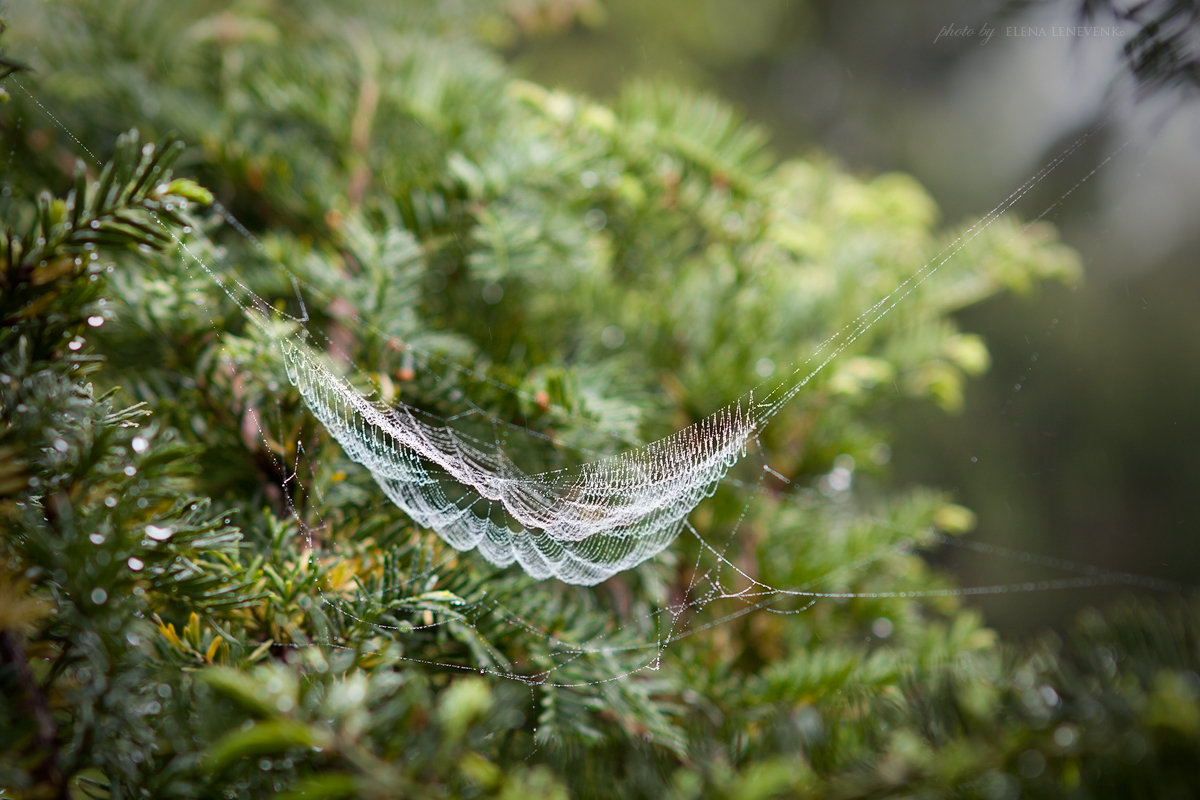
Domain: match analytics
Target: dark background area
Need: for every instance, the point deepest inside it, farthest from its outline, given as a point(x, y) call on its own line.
point(1080, 442)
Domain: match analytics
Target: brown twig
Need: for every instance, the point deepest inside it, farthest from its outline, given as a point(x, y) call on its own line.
point(360, 125)
point(48, 772)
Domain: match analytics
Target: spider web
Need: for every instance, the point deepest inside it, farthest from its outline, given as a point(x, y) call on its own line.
point(585, 523)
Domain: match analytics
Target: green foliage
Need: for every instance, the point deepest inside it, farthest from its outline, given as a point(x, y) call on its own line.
point(204, 597)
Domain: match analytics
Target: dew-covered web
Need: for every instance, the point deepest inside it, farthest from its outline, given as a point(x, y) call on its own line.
point(580, 525)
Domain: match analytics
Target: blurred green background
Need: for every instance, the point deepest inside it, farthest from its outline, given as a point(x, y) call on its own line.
point(1079, 443)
